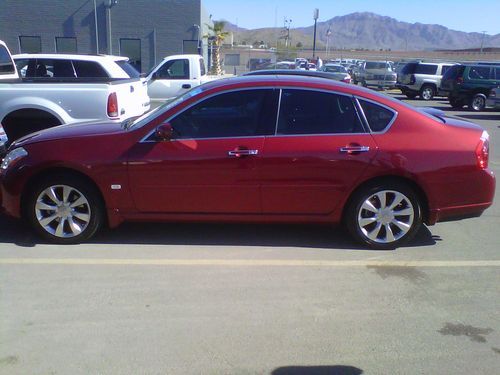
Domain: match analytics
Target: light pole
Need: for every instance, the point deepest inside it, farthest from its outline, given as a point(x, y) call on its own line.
point(328, 34)
point(198, 43)
point(315, 16)
point(109, 4)
point(96, 29)
point(482, 40)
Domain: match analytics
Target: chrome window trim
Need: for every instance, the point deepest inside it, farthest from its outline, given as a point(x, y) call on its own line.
point(145, 138)
point(350, 96)
point(389, 125)
point(278, 113)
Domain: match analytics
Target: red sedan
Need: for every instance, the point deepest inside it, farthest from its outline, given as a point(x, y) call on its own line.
point(255, 149)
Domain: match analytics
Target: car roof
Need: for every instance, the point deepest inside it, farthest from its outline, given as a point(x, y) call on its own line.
point(293, 72)
point(69, 56)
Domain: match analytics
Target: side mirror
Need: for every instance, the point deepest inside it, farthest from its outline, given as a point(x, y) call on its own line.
point(165, 132)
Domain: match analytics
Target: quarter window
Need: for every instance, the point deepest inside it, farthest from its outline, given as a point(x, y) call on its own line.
point(378, 117)
point(314, 112)
point(89, 69)
point(235, 114)
point(426, 69)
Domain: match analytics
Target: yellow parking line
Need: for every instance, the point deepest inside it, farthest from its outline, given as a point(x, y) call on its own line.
point(250, 262)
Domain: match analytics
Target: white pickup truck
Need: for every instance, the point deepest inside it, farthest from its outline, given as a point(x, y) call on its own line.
point(61, 89)
point(176, 74)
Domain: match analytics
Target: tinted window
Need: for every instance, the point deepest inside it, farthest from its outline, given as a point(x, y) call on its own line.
point(444, 69)
point(497, 73)
point(129, 69)
point(30, 44)
point(53, 68)
point(312, 112)
point(6, 66)
point(234, 114)
point(454, 72)
point(479, 72)
point(174, 69)
point(426, 69)
point(378, 117)
point(89, 69)
point(409, 68)
point(377, 65)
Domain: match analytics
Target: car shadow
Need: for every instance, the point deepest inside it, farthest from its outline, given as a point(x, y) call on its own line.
point(208, 234)
point(482, 116)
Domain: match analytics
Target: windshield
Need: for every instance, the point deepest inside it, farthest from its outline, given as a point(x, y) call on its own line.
point(153, 114)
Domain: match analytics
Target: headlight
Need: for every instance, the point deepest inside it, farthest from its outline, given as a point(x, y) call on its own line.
point(12, 157)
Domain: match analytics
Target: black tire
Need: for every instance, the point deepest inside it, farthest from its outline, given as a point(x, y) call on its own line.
point(73, 217)
point(380, 224)
point(410, 95)
point(456, 103)
point(427, 92)
point(477, 103)
point(363, 83)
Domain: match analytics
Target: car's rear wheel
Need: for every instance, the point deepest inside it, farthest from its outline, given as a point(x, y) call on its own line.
point(478, 102)
point(65, 210)
point(427, 92)
point(384, 216)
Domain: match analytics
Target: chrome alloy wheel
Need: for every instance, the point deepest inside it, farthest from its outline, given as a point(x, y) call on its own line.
point(62, 211)
point(478, 103)
point(386, 216)
point(427, 93)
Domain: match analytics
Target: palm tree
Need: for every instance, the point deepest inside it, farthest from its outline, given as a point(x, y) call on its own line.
point(216, 36)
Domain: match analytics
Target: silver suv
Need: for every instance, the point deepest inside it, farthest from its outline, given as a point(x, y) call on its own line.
point(422, 79)
point(376, 74)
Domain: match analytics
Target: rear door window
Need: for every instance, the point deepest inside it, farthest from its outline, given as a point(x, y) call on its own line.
point(445, 68)
point(426, 69)
point(315, 112)
point(378, 117)
point(479, 72)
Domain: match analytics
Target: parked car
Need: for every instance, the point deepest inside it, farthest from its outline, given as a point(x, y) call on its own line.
point(376, 74)
point(333, 68)
point(176, 74)
point(494, 98)
point(470, 84)
point(79, 88)
point(422, 78)
point(342, 77)
point(256, 149)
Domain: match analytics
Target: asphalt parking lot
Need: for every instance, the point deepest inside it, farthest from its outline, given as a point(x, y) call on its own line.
point(250, 299)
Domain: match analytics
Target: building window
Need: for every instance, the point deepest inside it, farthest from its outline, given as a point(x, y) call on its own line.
point(66, 45)
point(232, 59)
point(190, 47)
point(132, 49)
point(30, 44)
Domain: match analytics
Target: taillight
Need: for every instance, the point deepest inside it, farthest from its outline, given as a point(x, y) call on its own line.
point(483, 151)
point(112, 105)
point(412, 79)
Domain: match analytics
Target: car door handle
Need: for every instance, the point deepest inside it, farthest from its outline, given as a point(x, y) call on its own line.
point(240, 152)
point(186, 86)
point(354, 149)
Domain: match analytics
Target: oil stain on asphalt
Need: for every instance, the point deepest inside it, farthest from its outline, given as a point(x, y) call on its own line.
point(411, 274)
point(473, 333)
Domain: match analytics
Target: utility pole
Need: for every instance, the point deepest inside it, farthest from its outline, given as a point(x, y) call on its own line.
point(328, 33)
point(315, 16)
point(109, 5)
point(482, 40)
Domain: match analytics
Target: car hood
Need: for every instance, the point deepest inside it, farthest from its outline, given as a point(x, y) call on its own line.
point(82, 129)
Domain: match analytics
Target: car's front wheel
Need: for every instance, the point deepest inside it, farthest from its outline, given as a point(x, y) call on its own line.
point(65, 210)
point(384, 216)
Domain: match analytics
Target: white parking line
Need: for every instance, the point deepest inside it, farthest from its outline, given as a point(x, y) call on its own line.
point(250, 262)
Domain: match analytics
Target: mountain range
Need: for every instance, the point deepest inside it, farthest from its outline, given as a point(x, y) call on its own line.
point(369, 31)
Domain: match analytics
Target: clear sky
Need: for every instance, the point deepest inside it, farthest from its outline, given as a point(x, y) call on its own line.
point(462, 15)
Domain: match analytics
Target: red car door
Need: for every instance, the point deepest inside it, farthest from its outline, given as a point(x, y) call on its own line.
point(210, 165)
point(320, 150)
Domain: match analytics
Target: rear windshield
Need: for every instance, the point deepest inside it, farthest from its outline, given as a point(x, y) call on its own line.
point(128, 68)
point(409, 68)
point(426, 69)
point(454, 72)
point(377, 65)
